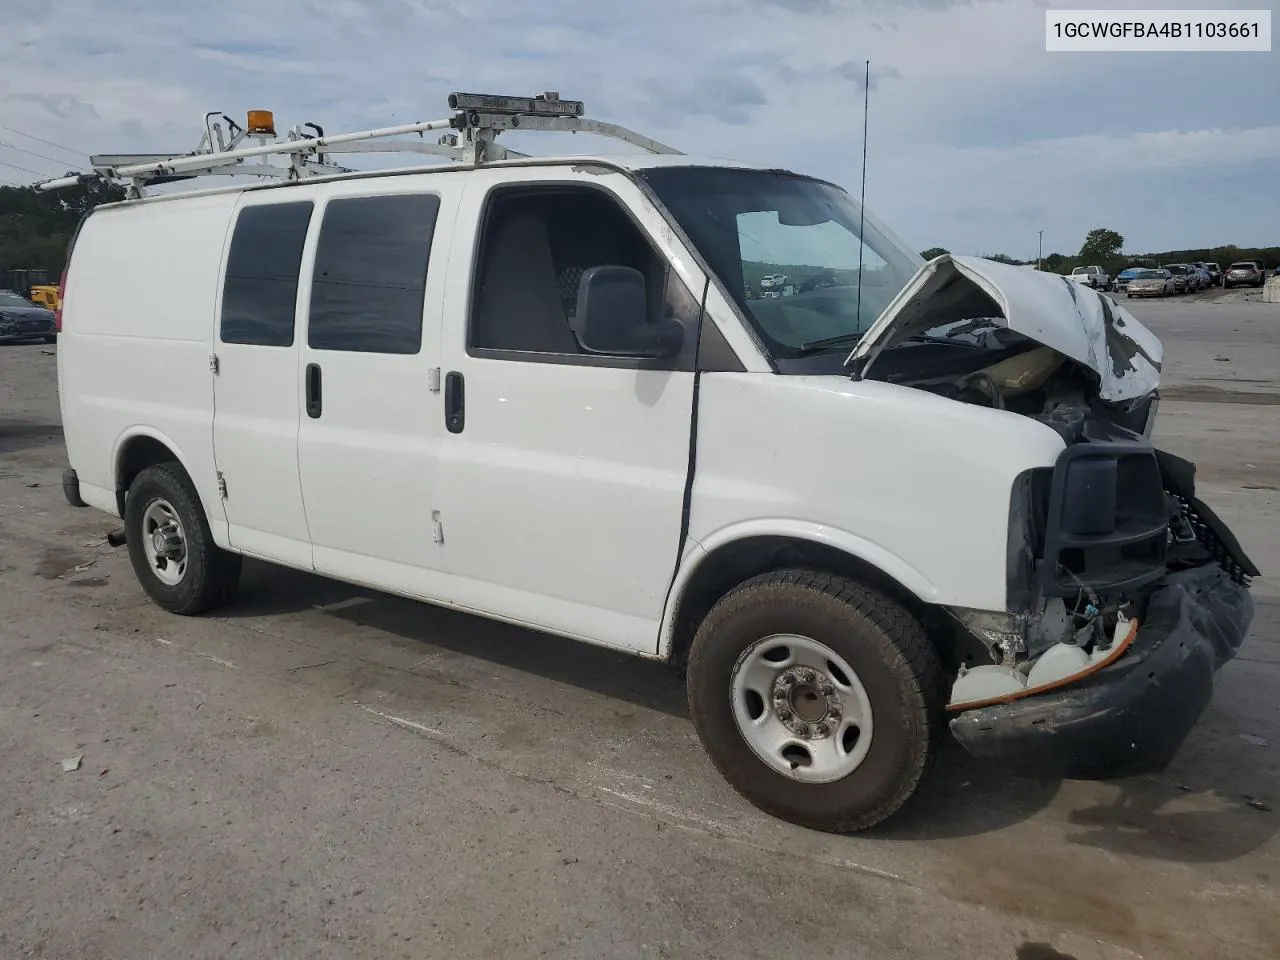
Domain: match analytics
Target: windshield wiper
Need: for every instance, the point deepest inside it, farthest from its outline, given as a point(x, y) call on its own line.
point(929, 338)
point(842, 340)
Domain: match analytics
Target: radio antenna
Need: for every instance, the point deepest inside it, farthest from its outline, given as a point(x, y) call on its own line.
point(862, 197)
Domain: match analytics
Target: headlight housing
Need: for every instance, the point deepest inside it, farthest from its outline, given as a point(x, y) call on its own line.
point(1107, 520)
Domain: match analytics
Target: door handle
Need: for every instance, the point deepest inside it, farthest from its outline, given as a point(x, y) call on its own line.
point(313, 390)
point(455, 412)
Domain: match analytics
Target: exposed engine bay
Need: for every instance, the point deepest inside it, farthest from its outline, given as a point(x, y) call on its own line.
point(997, 367)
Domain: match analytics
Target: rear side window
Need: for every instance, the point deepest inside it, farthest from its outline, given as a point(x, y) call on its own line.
point(371, 274)
point(261, 289)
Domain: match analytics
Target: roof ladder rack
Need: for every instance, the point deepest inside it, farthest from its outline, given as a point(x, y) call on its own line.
point(472, 131)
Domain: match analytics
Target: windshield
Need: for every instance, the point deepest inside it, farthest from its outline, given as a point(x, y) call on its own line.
point(1176, 268)
point(10, 299)
point(1079, 270)
point(1150, 275)
point(786, 249)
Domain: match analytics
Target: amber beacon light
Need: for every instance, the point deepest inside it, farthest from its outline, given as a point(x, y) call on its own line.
point(261, 122)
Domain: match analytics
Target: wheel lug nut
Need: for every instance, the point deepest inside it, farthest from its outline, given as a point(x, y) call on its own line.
point(820, 730)
point(784, 714)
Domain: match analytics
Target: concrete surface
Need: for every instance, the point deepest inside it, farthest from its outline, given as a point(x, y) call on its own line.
point(324, 772)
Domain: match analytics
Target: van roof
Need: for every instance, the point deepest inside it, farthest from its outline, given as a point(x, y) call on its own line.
point(623, 163)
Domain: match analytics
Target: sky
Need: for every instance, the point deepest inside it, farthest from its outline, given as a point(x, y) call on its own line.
point(977, 137)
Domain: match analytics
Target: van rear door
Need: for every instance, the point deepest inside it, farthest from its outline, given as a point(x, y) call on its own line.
point(256, 387)
point(369, 437)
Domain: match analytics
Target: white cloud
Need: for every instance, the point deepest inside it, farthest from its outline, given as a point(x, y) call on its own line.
point(978, 137)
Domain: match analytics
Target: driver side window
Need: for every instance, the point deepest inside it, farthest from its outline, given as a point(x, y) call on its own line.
point(535, 246)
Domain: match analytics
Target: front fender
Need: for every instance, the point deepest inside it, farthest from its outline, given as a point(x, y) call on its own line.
point(916, 485)
point(789, 528)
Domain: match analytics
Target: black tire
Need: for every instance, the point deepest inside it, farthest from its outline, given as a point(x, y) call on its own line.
point(887, 649)
point(212, 574)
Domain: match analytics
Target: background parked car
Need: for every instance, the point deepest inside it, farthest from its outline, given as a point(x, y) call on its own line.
point(1215, 273)
point(1151, 283)
point(1125, 275)
point(1183, 277)
point(1202, 275)
point(1095, 277)
point(20, 320)
point(1248, 273)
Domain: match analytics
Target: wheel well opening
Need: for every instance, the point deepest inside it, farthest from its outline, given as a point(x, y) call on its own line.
point(738, 562)
point(138, 454)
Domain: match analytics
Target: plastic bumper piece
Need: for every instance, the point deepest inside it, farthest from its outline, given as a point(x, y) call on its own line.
point(1131, 717)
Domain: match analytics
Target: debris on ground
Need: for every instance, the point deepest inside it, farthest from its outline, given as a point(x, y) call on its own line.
point(1260, 805)
point(1255, 740)
point(81, 568)
point(72, 764)
point(1223, 359)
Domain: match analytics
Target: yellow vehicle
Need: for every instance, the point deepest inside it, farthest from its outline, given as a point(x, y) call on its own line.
point(46, 295)
point(35, 286)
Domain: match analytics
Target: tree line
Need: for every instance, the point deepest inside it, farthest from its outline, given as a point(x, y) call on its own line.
point(1103, 247)
point(36, 228)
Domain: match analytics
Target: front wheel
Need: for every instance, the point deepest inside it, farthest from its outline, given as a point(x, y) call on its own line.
point(170, 544)
point(818, 699)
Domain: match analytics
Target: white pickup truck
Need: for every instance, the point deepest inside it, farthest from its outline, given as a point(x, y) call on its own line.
point(1095, 277)
point(534, 390)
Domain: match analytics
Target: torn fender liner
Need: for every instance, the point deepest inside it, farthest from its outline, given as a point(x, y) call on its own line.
point(1071, 318)
point(1132, 717)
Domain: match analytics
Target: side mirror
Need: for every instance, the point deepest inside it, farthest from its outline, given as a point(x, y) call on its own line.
point(613, 316)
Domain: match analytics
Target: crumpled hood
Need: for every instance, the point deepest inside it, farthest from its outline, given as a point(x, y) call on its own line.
point(1080, 323)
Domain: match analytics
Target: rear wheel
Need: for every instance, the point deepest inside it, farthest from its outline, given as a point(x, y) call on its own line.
point(818, 699)
point(170, 544)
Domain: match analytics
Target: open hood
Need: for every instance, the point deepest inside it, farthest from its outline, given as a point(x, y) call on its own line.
point(1076, 321)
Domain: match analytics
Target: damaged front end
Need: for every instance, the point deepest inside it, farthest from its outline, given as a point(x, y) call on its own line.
point(1123, 619)
point(1125, 591)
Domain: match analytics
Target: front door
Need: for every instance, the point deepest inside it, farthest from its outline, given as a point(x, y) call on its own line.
point(370, 429)
point(563, 473)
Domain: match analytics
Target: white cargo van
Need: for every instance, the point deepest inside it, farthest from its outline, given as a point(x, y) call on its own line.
point(909, 498)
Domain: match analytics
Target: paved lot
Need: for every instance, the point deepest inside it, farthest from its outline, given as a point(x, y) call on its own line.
point(324, 772)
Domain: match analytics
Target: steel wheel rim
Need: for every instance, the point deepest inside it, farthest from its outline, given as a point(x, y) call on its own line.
point(801, 708)
point(164, 541)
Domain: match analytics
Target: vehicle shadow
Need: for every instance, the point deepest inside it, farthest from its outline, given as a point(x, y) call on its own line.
point(273, 591)
point(964, 797)
point(1151, 817)
point(1155, 819)
point(1147, 817)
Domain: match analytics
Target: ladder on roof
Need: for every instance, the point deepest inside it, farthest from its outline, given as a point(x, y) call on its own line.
point(472, 132)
